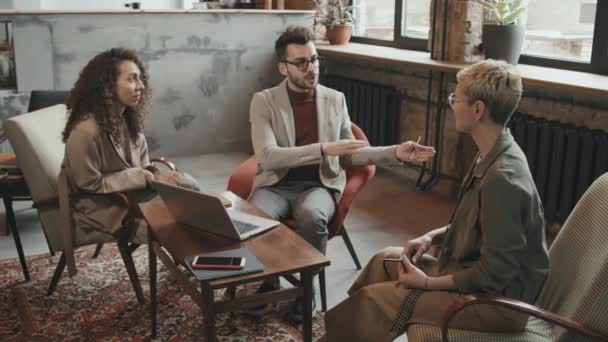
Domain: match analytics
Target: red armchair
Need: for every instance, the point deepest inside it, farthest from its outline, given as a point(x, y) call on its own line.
point(241, 183)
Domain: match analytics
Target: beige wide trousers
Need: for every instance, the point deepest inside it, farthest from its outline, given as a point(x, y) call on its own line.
point(375, 300)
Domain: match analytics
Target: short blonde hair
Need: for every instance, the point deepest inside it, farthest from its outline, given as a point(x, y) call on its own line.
point(496, 83)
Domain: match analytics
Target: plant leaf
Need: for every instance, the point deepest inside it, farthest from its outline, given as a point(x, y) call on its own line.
point(350, 17)
point(497, 14)
point(485, 5)
point(513, 16)
point(517, 4)
point(502, 8)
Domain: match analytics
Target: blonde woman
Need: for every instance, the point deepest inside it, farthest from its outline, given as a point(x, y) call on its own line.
point(493, 244)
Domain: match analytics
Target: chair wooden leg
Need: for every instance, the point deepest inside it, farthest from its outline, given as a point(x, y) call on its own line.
point(97, 250)
point(153, 289)
point(350, 247)
point(12, 225)
point(133, 247)
point(48, 243)
point(323, 290)
point(57, 275)
point(123, 247)
point(231, 292)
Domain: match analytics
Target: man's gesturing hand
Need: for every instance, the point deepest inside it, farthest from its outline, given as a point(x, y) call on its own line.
point(414, 152)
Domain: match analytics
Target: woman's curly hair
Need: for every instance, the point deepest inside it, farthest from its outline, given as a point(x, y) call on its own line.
point(94, 93)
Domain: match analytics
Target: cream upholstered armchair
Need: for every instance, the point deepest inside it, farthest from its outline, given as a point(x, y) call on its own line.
point(36, 139)
point(573, 304)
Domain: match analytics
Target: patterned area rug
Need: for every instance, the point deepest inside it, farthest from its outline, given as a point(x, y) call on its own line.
point(99, 304)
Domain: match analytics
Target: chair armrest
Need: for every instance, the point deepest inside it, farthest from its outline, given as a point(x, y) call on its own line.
point(519, 306)
point(356, 177)
point(241, 180)
point(164, 161)
point(47, 204)
point(53, 203)
point(124, 198)
point(3, 137)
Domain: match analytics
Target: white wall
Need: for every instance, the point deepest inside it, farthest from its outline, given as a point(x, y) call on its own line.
point(6, 4)
point(86, 4)
point(106, 4)
point(20, 4)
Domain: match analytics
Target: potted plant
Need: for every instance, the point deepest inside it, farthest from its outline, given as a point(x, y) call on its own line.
point(502, 36)
point(337, 17)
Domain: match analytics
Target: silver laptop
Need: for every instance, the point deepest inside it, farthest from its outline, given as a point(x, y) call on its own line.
point(206, 212)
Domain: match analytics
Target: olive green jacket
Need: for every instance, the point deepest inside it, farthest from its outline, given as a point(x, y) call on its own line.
point(495, 242)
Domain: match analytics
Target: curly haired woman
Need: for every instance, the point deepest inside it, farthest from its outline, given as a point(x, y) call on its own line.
point(105, 149)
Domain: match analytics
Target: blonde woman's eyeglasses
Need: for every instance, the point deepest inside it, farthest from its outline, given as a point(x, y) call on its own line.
point(452, 98)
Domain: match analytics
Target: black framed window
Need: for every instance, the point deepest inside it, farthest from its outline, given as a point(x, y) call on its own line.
point(569, 36)
point(8, 79)
point(398, 23)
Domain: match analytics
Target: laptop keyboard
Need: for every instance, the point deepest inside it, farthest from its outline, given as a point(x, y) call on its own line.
point(243, 227)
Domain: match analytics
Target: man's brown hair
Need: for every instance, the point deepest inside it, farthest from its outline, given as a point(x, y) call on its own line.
point(293, 35)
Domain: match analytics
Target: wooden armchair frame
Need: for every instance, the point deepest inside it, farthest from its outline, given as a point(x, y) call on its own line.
point(476, 299)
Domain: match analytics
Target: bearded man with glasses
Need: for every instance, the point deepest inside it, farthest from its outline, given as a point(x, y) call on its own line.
point(301, 135)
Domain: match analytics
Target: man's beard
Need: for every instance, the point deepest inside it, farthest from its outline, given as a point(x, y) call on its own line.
point(304, 82)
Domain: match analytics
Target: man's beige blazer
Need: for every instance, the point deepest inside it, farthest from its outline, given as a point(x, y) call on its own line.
point(273, 135)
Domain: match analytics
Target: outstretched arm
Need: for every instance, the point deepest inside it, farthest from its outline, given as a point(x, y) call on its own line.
point(408, 151)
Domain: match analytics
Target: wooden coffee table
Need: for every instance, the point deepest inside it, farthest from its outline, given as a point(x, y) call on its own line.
point(282, 251)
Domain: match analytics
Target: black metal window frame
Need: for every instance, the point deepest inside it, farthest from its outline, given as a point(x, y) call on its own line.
point(599, 50)
point(399, 40)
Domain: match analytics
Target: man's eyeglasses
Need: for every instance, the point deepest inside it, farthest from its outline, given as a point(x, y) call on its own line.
point(452, 98)
point(302, 65)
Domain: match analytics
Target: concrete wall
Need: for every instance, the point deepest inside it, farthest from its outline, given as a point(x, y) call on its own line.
point(6, 4)
point(21, 4)
point(107, 4)
point(87, 4)
point(204, 67)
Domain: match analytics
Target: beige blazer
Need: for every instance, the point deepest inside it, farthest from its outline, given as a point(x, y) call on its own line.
point(273, 135)
point(94, 165)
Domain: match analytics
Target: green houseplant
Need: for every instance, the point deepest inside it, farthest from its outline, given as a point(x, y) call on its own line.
point(337, 17)
point(503, 36)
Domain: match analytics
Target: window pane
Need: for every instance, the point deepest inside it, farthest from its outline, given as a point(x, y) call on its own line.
point(375, 19)
point(563, 32)
point(416, 18)
point(8, 78)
